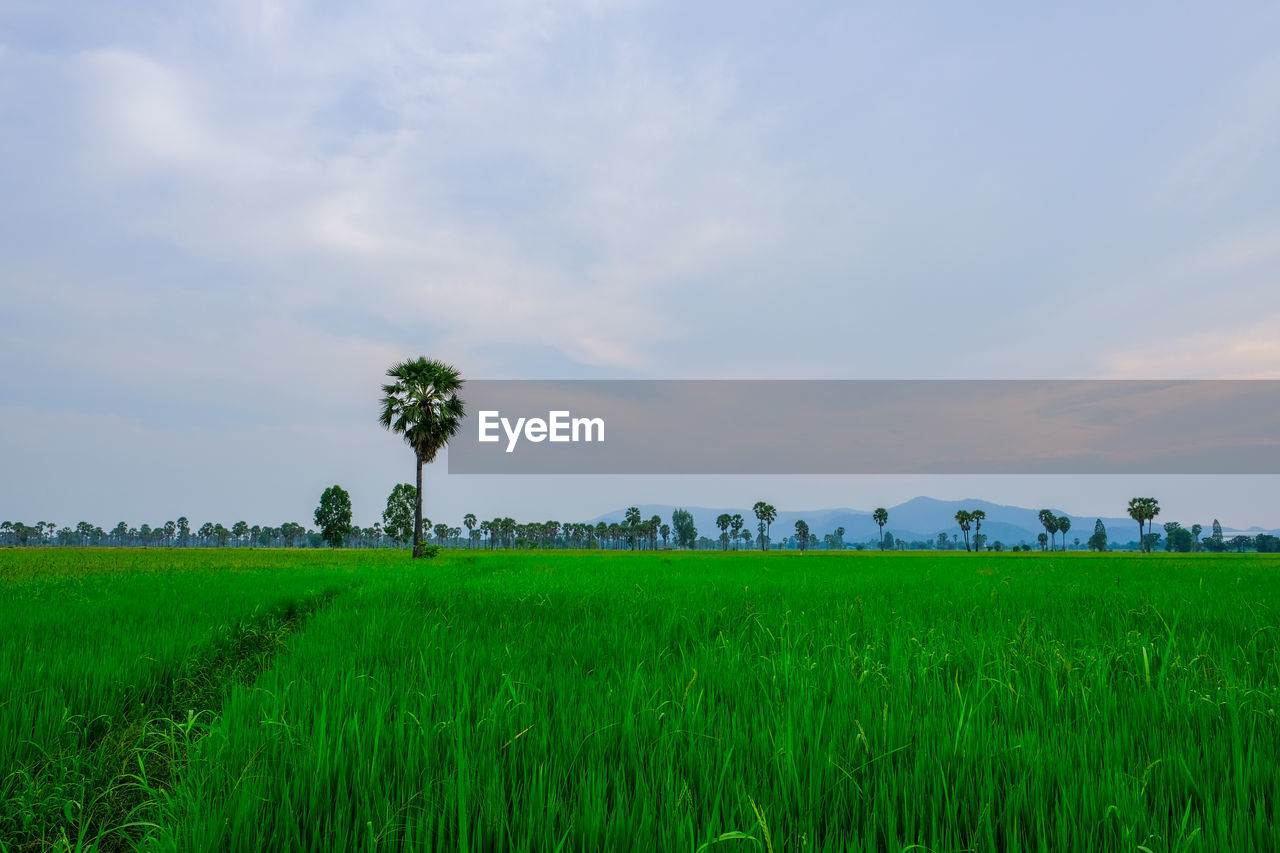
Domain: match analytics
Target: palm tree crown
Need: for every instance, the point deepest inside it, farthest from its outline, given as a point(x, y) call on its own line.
point(423, 405)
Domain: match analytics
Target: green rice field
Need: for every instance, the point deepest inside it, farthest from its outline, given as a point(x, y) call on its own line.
point(247, 700)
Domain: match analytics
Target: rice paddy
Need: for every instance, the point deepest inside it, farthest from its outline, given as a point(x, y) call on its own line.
point(491, 700)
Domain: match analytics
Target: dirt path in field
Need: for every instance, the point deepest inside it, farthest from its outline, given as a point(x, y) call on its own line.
point(140, 755)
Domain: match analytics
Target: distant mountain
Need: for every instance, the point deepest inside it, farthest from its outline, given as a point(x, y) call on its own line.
point(918, 518)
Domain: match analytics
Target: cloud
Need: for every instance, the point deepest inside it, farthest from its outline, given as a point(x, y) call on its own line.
point(1248, 348)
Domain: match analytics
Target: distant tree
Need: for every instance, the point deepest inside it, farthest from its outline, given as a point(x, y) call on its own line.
point(442, 533)
point(1216, 535)
point(686, 532)
point(979, 540)
point(1043, 539)
point(632, 519)
point(469, 521)
point(977, 516)
point(888, 543)
point(291, 531)
point(398, 517)
point(665, 530)
point(736, 524)
point(1177, 538)
point(1196, 530)
point(723, 520)
point(802, 535)
point(240, 530)
point(943, 541)
point(997, 546)
point(333, 515)
point(422, 404)
point(1064, 524)
point(1265, 543)
point(766, 515)
point(1143, 511)
point(1050, 523)
point(963, 518)
point(881, 518)
point(1098, 541)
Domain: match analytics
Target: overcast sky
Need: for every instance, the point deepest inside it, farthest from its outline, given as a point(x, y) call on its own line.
point(218, 228)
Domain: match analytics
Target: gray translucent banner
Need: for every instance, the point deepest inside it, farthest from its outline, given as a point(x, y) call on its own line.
point(869, 427)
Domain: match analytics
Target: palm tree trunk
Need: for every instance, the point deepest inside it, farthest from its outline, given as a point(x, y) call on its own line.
point(417, 514)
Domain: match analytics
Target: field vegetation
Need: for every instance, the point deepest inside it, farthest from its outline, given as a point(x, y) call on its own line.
point(653, 700)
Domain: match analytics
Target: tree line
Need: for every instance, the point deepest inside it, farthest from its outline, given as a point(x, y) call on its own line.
point(334, 528)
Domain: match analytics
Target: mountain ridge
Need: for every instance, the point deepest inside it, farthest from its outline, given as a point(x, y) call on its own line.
point(921, 518)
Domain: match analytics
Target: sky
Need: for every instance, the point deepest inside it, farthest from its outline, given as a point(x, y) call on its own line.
point(220, 224)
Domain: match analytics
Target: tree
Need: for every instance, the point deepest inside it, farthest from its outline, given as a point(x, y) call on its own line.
point(735, 526)
point(632, 519)
point(333, 515)
point(1043, 539)
point(977, 516)
point(422, 405)
point(802, 535)
point(1098, 541)
point(1177, 538)
point(686, 532)
point(723, 520)
point(963, 517)
point(881, 517)
point(398, 517)
point(240, 530)
point(442, 532)
point(1143, 511)
point(766, 515)
point(1196, 530)
point(665, 530)
point(1064, 524)
point(469, 522)
point(1216, 535)
point(888, 542)
point(1050, 523)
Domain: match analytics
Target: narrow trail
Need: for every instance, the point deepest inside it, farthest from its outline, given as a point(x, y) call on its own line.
point(143, 752)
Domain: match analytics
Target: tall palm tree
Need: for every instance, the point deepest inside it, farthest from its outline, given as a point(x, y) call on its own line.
point(963, 517)
point(1064, 524)
point(881, 517)
point(1138, 512)
point(632, 517)
point(1143, 511)
point(469, 521)
point(723, 521)
point(735, 526)
point(977, 516)
point(767, 515)
point(1050, 522)
point(422, 404)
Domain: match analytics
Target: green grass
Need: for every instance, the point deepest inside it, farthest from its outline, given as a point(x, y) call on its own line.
point(703, 701)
